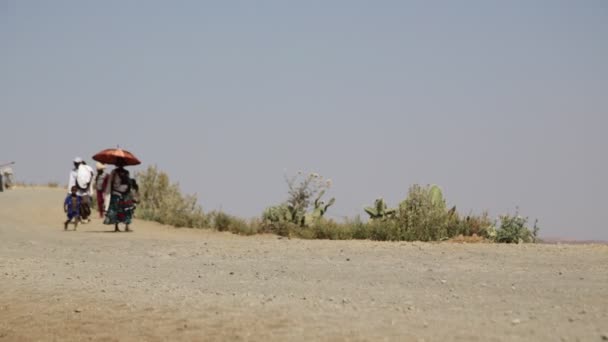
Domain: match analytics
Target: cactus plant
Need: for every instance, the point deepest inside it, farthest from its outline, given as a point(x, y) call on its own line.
point(278, 213)
point(436, 195)
point(379, 210)
point(296, 208)
point(288, 213)
point(320, 208)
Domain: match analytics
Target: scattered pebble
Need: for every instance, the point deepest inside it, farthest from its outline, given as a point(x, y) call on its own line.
point(605, 337)
point(443, 281)
point(231, 273)
point(516, 321)
point(77, 310)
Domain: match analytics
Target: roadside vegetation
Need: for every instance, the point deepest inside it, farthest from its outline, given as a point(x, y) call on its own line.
point(422, 216)
point(162, 201)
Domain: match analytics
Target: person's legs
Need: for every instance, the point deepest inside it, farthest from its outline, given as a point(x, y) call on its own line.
point(85, 207)
point(100, 203)
point(110, 215)
point(90, 204)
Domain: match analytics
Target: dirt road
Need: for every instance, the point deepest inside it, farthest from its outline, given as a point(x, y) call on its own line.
point(161, 284)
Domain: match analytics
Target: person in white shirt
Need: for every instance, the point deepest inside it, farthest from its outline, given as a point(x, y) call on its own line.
point(83, 190)
point(73, 175)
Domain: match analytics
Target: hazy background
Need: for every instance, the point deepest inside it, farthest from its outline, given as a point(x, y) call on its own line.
point(501, 103)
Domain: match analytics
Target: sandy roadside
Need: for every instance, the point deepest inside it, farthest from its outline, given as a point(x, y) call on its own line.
point(161, 283)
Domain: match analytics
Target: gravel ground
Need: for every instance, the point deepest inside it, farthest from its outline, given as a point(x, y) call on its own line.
point(159, 283)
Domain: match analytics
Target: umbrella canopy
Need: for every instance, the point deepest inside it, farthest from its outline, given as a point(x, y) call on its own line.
point(114, 155)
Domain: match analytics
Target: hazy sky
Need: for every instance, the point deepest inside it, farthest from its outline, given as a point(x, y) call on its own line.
point(503, 104)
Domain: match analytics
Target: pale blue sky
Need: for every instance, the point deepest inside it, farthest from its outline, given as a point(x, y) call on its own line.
point(501, 103)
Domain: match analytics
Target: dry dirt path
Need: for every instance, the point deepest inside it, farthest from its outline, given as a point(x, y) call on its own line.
point(166, 284)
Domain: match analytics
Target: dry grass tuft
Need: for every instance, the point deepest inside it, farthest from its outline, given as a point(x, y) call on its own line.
point(469, 239)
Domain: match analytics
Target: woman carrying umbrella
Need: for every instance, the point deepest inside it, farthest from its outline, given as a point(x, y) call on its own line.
point(118, 188)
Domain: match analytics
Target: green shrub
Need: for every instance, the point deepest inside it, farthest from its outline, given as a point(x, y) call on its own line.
point(513, 229)
point(386, 230)
point(277, 213)
point(422, 215)
point(359, 228)
point(163, 202)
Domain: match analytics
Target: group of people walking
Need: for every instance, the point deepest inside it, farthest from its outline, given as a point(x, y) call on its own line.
point(115, 194)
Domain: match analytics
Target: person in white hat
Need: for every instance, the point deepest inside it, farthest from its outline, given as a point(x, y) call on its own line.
point(101, 181)
point(81, 177)
point(73, 175)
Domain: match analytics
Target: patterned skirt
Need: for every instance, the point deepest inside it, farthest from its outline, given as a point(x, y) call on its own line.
point(120, 210)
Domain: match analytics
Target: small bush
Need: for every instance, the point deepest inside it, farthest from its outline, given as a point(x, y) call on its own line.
point(277, 213)
point(359, 228)
point(227, 223)
point(221, 221)
point(302, 192)
point(513, 229)
point(422, 216)
point(282, 228)
point(471, 225)
point(163, 202)
point(387, 230)
point(330, 230)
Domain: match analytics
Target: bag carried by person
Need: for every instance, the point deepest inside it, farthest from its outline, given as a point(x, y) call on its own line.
point(83, 178)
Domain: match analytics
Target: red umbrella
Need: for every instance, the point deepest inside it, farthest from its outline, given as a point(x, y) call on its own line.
point(114, 155)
